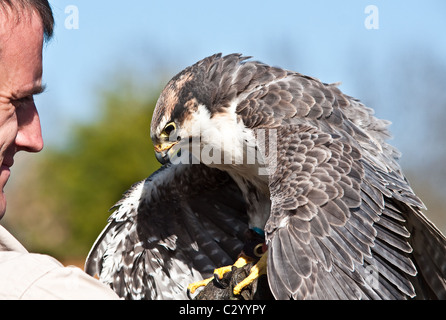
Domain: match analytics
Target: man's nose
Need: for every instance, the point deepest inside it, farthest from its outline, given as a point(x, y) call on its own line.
point(29, 134)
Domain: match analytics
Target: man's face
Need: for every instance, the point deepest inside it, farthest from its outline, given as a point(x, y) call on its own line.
point(21, 43)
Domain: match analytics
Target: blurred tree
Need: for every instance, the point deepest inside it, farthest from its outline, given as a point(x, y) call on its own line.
point(60, 204)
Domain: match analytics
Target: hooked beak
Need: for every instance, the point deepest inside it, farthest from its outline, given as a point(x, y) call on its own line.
point(163, 150)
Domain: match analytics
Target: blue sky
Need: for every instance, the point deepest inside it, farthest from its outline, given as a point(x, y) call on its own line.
point(325, 39)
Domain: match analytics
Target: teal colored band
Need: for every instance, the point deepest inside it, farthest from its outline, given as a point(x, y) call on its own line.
point(259, 231)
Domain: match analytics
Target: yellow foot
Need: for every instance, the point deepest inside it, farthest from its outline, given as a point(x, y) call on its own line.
point(218, 273)
point(256, 271)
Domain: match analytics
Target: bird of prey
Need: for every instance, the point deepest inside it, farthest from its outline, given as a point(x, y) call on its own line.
point(304, 167)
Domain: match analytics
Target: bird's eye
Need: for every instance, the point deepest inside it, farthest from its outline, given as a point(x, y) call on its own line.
point(168, 129)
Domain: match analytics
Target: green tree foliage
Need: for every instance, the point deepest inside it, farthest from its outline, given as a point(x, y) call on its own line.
point(70, 189)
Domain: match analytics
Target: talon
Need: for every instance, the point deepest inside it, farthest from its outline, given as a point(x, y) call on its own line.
point(218, 282)
point(191, 288)
point(189, 294)
point(241, 261)
point(256, 271)
point(218, 274)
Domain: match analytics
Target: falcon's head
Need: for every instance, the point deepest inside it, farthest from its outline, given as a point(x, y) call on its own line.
point(196, 104)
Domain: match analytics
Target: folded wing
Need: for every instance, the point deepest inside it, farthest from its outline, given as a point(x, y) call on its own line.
point(168, 231)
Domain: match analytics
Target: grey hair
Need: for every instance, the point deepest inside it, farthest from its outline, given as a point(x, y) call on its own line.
point(41, 7)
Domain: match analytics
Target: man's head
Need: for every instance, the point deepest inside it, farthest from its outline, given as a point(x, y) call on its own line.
point(24, 24)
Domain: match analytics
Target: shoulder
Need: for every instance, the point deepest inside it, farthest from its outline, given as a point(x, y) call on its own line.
point(37, 276)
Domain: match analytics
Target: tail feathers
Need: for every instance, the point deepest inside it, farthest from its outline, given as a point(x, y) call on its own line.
point(429, 254)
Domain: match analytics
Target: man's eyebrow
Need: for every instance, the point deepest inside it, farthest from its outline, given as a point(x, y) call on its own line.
point(31, 92)
point(37, 90)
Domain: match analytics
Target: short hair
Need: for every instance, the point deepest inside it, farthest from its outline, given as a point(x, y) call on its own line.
point(41, 7)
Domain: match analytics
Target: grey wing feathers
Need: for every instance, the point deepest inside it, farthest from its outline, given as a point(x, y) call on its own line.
point(332, 227)
point(169, 231)
point(344, 221)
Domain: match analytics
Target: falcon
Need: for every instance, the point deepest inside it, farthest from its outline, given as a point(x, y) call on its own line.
point(268, 165)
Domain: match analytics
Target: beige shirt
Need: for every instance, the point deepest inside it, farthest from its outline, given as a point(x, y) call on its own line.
point(25, 275)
